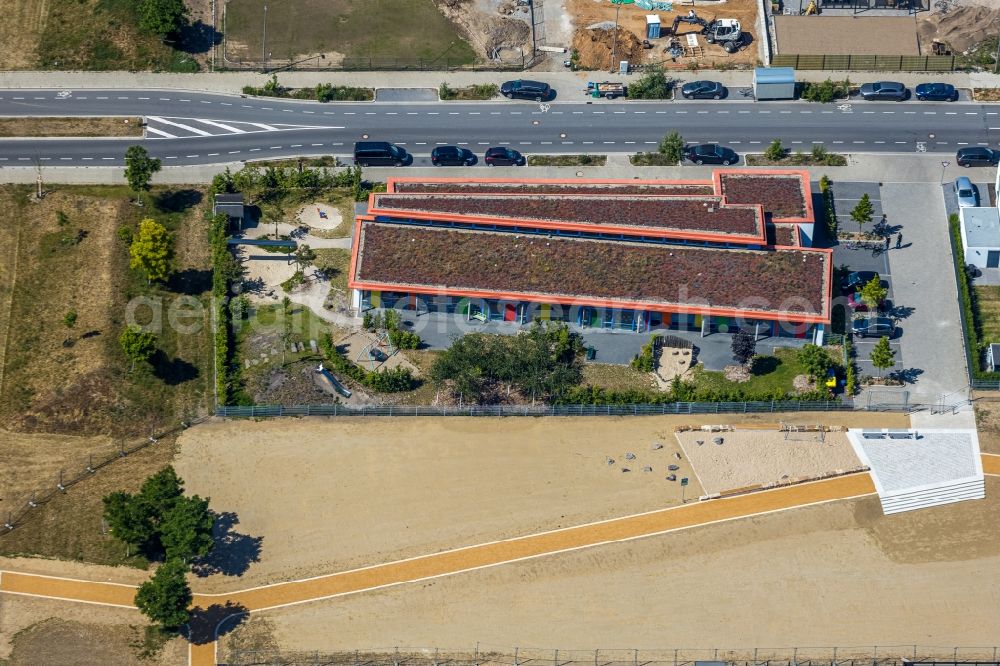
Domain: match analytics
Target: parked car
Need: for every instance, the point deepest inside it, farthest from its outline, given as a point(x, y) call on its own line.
point(703, 90)
point(965, 193)
point(524, 89)
point(977, 156)
point(710, 153)
point(890, 90)
point(380, 153)
point(857, 279)
point(452, 156)
point(504, 157)
point(936, 92)
point(873, 327)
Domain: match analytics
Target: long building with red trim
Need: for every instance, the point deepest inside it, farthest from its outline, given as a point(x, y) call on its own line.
point(637, 255)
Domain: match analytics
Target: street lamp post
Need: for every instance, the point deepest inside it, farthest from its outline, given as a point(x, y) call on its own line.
point(263, 43)
point(614, 44)
point(944, 165)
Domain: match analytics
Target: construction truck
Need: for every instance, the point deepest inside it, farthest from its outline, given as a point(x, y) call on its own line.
point(728, 33)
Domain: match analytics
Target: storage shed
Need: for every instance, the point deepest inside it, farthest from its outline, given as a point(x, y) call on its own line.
point(774, 83)
point(652, 26)
point(993, 357)
point(980, 228)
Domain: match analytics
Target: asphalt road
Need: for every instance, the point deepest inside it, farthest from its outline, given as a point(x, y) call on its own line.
point(205, 128)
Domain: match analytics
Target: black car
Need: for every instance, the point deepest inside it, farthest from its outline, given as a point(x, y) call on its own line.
point(452, 156)
point(890, 90)
point(703, 90)
point(380, 153)
point(710, 153)
point(523, 89)
point(857, 280)
point(504, 157)
point(936, 92)
point(977, 156)
point(873, 327)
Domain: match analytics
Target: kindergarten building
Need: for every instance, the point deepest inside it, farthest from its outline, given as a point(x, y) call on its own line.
point(708, 256)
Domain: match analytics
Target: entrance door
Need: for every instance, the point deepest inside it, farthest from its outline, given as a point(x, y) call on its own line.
point(993, 259)
point(509, 312)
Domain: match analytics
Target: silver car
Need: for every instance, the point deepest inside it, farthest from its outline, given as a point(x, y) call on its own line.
point(965, 193)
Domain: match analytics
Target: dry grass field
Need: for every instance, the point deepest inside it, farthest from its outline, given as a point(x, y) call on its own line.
point(832, 574)
point(72, 127)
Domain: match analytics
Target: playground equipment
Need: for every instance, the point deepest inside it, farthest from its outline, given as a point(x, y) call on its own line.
point(802, 433)
point(336, 385)
point(728, 33)
point(376, 352)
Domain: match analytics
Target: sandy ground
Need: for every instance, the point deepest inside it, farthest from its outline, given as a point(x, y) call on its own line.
point(325, 495)
point(832, 574)
point(756, 457)
point(312, 216)
point(965, 24)
point(355, 343)
point(46, 631)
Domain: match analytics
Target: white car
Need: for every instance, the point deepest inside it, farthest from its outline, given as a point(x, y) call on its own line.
point(965, 193)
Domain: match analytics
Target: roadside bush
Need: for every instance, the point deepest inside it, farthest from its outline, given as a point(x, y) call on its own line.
point(775, 151)
point(672, 146)
point(850, 383)
point(386, 380)
point(446, 92)
point(825, 92)
point(390, 380)
point(654, 84)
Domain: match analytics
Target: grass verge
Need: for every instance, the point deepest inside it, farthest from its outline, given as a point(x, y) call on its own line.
point(72, 127)
point(771, 373)
point(798, 159)
point(651, 159)
point(986, 94)
point(616, 377)
point(567, 160)
point(988, 299)
point(469, 93)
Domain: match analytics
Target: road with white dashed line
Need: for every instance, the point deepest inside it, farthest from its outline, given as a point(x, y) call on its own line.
point(206, 128)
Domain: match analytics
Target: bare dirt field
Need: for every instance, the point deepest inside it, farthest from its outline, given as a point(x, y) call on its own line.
point(44, 631)
point(326, 495)
point(831, 574)
point(756, 457)
point(988, 423)
point(594, 45)
point(74, 127)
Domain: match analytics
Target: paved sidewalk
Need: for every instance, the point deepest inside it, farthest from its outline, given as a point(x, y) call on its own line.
point(565, 81)
point(871, 167)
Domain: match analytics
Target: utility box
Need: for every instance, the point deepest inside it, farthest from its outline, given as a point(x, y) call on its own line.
point(774, 83)
point(652, 26)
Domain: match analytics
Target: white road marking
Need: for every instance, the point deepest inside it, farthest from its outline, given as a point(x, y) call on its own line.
point(144, 98)
point(171, 157)
point(212, 155)
point(315, 144)
point(233, 152)
point(265, 127)
point(234, 130)
point(254, 150)
point(226, 103)
point(167, 135)
point(296, 145)
point(195, 130)
point(194, 156)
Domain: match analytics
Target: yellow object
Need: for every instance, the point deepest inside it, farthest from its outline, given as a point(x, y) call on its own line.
point(376, 299)
point(546, 312)
point(811, 9)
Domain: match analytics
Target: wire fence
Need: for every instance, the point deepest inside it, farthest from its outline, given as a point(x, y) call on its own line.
point(257, 411)
point(88, 465)
point(486, 655)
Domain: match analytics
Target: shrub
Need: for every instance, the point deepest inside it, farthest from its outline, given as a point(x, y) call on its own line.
point(446, 92)
point(404, 339)
point(775, 151)
point(825, 92)
point(654, 84)
point(390, 380)
point(645, 360)
point(850, 383)
point(825, 188)
point(298, 277)
point(672, 147)
point(815, 360)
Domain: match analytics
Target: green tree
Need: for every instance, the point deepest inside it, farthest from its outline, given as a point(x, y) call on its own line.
point(815, 360)
point(882, 355)
point(162, 17)
point(862, 213)
point(775, 151)
point(304, 256)
point(186, 530)
point(744, 346)
point(873, 293)
point(654, 84)
point(162, 490)
point(165, 597)
point(672, 146)
point(129, 520)
point(152, 250)
point(69, 319)
point(137, 344)
point(139, 168)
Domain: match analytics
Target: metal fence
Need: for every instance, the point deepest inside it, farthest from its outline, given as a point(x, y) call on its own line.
point(89, 464)
point(257, 411)
point(867, 62)
point(487, 655)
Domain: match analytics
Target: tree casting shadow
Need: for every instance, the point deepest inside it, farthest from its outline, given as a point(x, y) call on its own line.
point(172, 371)
point(177, 201)
point(233, 552)
point(190, 282)
point(204, 621)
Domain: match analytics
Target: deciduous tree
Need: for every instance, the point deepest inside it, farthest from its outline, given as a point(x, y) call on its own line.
point(186, 530)
point(815, 360)
point(162, 17)
point(152, 250)
point(744, 346)
point(137, 344)
point(672, 146)
point(882, 355)
point(139, 168)
point(166, 596)
point(873, 293)
point(862, 213)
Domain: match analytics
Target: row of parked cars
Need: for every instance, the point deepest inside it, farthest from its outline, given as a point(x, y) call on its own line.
point(383, 153)
point(879, 90)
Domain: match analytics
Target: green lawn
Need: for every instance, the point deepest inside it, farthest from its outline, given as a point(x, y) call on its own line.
point(389, 33)
point(616, 377)
point(989, 312)
point(771, 373)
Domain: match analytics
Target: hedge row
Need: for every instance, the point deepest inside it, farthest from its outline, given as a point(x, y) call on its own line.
point(217, 237)
point(680, 392)
point(974, 344)
point(831, 211)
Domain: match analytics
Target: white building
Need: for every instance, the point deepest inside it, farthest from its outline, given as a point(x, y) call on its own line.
point(980, 227)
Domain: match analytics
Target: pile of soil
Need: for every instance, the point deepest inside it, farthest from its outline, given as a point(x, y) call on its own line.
point(961, 28)
point(594, 47)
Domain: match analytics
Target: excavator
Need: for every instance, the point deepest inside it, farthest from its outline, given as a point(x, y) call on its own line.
point(726, 32)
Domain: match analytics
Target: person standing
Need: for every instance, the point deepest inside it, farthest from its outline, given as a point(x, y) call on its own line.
point(899, 240)
point(887, 240)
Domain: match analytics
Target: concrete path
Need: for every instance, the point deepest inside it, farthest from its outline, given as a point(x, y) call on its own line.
point(923, 278)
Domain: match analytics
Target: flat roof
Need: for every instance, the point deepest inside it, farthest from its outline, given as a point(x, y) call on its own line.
point(982, 226)
point(777, 284)
point(787, 196)
point(236, 197)
point(696, 218)
point(514, 187)
point(846, 35)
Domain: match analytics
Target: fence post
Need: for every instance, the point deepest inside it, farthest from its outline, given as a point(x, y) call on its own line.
point(555, 658)
point(675, 656)
point(595, 657)
point(635, 658)
point(515, 656)
point(395, 658)
point(475, 660)
point(835, 654)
